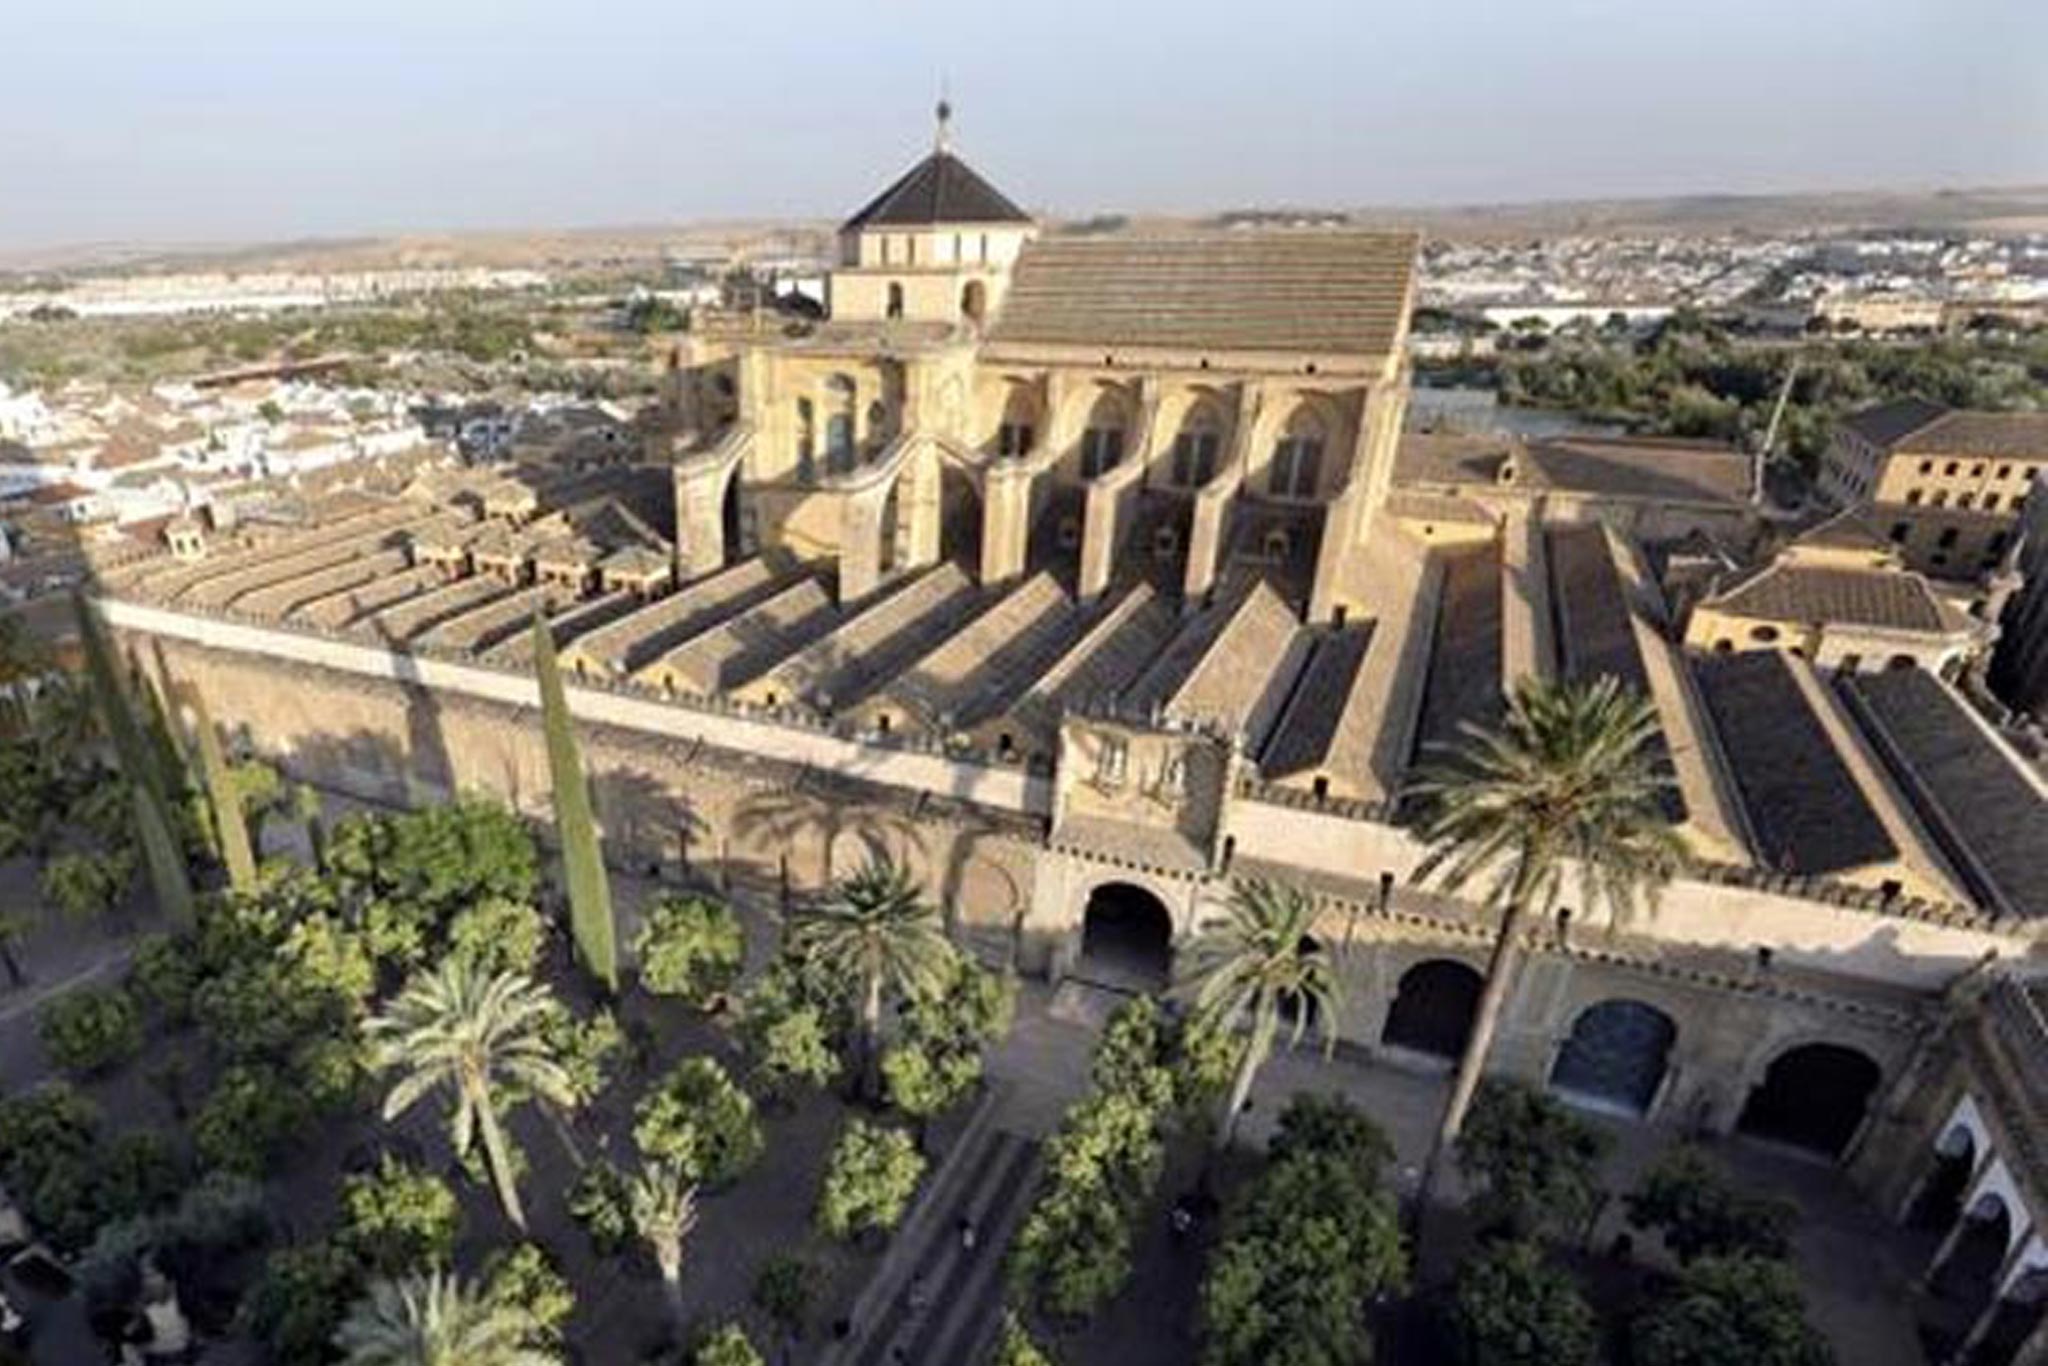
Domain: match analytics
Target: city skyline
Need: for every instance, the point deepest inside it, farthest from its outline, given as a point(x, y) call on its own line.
point(231, 123)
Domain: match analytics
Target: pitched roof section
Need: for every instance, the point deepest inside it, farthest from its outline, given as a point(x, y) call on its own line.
point(1888, 599)
point(1653, 468)
point(940, 189)
point(1805, 809)
point(1343, 292)
point(1975, 793)
point(1886, 423)
point(2020, 436)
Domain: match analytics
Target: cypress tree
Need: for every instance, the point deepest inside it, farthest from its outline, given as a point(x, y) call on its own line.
point(590, 894)
point(228, 820)
point(168, 875)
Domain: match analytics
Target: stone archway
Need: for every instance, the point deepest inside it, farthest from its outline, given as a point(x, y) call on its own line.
point(1433, 1008)
point(1939, 1201)
point(1812, 1097)
point(1965, 1283)
point(1126, 939)
point(1615, 1057)
point(2015, 1319)
point(974, 302)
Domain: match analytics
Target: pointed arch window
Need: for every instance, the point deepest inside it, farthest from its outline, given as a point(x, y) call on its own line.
point(1197, 446)
point(1297, 466)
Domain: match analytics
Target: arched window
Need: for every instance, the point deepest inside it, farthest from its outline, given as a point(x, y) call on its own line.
point(1297, 465)
point(973, 301)
point(839, 400)
point(806, 437)
point(878, 423)
point(895, 306)
point(1102, 441)
point(1017, 432)
point(1197, 445)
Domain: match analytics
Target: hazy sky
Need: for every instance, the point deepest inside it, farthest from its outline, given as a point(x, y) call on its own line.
point(225, 119)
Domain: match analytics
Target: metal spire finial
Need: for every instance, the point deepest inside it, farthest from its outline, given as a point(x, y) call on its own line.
point(943, 139)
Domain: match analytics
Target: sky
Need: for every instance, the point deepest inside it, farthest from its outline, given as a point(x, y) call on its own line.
point(167, 121)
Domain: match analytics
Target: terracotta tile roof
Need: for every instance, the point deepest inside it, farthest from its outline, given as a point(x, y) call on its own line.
point(1846, 530)
point(2022, 436)
point(1323, 292)
point(1616, 467)
point(940, 189)
point(1889, 599)
point(1989, 812)
point(1805, 809)
point(1887, 422)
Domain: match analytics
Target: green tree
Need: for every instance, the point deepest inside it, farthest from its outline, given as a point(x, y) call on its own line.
point(1572, 773)
point(590, 893)
point(1534, 1164)
point(788, 1034)
point(224, 796)
point(782, 1291)
point(1259, 965)
point(140, 771)
point(250, 1115)
point(602, 1201)
point(299, 1302)
point(434, 1320)
point(458, 1030)
point(524, 1282)
point(91, 1030)
point(1512, 1308)
point(499, 936)
point(84, 885)
point(876, 932)
point(938, 1059)
point(1687, 1200)
point(663, 1203)
point(689, 946)
point(727, 1347)
point(701, 1122)
point(1305, 1251)
point(1016, 1346)
point(398, 1219)
point(310, 811)
point(869, 1179)
point(1729, 1311)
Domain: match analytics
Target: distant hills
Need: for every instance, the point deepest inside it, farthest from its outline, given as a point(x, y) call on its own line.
point(2009, 209)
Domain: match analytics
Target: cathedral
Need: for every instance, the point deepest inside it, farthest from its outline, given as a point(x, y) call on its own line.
point(1086, 574)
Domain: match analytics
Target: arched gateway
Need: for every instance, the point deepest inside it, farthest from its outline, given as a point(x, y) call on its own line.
point(1126, 939)
point(1433, 1008)
point(1812, 1097)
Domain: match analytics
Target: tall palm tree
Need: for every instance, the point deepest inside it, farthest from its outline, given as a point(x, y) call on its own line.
point(663, 1202)
point(1259, 965)
point(875, 931)
point(1571, 777)
point(435, 1320)
point(470, 1031)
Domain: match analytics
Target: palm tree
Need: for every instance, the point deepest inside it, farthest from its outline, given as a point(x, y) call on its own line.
point(471, 1032)
point(1572, 774)
point(435, 1320)
point(663, 1201)
point(876, 931)
point(1259, 965)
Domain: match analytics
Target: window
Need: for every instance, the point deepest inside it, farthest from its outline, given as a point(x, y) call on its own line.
point(895, 308)
point(1962, 500)
point(1899, 532)
point(1951, 467)
point(2005, 471)
point(839, 391)
point(984, 247)
point(1990, 503)
point(1763, 635)
point(1112, 761)
point(910, 248)
point(1014, 438)
point(1976, 471)
point(1996, 545)
point(1102, 449)
point(1926, 467)
point(1939, 500)
point(1297, 459)
point(1913, 497)
point(806, 437)
point(888, 251)
point(1196, 446)
point(1947, 539)
point(959, 254)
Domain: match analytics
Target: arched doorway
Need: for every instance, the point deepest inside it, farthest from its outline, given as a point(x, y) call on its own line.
point(1615, 1058)
point(2019, 1313)
point(1811, 1097)
point(731, 525)
point(1963, 1286)
point(974, 301)
point(1433, 1008)
point(1939, 1202)
point(1296, 1012)
point(1126, 939)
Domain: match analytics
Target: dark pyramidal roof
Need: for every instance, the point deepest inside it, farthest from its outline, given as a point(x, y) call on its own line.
point(940, 189)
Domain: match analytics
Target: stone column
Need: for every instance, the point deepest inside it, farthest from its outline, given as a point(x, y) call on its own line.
point(1005, 522)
